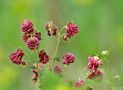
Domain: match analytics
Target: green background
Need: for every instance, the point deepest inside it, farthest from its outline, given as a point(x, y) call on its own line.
point(101, 27)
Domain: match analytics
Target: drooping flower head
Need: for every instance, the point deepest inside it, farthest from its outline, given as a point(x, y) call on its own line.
point(79, 83)
point(25, 37)
point(94, 63)
point(32, 43)
point(37, 35)
point(27, 26)
point(51, 28)
point(58, 69)
point(97, 73)
point(68, 58)
point(16, 57)
point(72, 29)
point(65, 37)
point(35, 75)
point(43, 57)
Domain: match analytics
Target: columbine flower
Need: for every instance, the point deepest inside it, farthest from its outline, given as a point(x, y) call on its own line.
point(98, 73)
point(25, 37)
point(68, 58)
point(58, 69)
point(32, 43)
point(79, 83)
point(16, 57)
point(27, 26)
point(51, 28)
point(43, 57)
point(37, 35)
point(72, 29)
point(94, 63)
point(95, 74)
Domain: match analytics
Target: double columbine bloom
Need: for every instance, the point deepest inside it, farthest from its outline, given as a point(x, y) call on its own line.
point(16, 57)
point(72, 30)
point(43, 57)
point(68, 58)
point(32, 40)
point(27, 26)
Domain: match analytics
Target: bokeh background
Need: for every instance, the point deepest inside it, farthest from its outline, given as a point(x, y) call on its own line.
point(101, 28)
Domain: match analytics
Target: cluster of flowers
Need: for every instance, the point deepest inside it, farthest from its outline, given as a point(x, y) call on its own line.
point(32, 39)
point(94, 63)
point(93, 66)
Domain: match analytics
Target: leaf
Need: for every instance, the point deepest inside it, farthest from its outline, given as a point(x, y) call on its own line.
point(57, 59)
point(89, 88)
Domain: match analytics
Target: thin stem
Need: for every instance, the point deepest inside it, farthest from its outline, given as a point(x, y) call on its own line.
point(35, 51)
point(53, 47)
point(40, 74)
point(36, 58)
point(57, 45)
point(56, 50)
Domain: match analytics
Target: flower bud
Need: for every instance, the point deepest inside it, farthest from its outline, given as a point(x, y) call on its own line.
point(58, 69)
point(79, 83)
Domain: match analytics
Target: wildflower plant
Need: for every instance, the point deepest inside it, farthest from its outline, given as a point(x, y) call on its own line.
point(32, 39)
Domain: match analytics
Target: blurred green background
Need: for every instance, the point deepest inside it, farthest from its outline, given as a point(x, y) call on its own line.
point(101, 27)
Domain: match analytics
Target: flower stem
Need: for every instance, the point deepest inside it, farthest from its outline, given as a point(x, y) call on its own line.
point(37, 67)
point(35, 52)
point(56, 50)
point(57, 45)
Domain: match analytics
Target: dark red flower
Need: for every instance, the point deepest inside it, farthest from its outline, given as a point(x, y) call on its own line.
point(51, 28)
point(68, 58)
point(92, 75)
point(72, 29)
point(94, 63)
point(16, 57)
point(37, 35)
point(32, 43)
point(79, 83)
point(58, 69)
point(43, 57)
point(25, 37)
point(27, 26)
